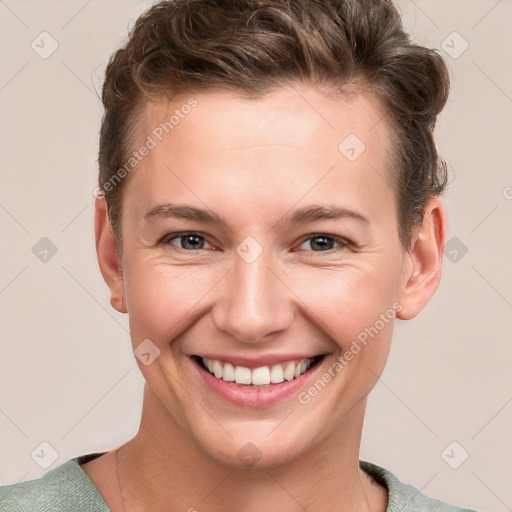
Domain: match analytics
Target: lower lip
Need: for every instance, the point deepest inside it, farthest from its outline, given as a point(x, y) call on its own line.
point(252, 396)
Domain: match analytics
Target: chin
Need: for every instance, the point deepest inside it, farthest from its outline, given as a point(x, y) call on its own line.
point(244, 455)
point(266, 445)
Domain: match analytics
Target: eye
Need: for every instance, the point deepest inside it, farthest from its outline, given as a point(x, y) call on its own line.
point(324, 243)
point(188, 241)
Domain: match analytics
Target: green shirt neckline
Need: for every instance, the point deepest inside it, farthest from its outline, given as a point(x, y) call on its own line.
point(68, 486)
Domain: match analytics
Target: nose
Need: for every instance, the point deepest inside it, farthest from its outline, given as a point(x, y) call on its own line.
point(253, 302)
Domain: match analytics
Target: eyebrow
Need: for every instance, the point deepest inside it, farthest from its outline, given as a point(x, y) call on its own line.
point(313, 213)
point(303, 215)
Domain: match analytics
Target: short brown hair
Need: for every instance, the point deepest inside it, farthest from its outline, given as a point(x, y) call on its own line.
point(252, 46)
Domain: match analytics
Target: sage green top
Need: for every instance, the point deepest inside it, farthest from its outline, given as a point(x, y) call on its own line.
point(68, 488)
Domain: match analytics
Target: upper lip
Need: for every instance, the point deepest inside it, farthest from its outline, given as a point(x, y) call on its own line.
point(257, 362)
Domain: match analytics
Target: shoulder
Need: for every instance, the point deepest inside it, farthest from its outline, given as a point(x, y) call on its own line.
point(405, 497)
point(65, 487)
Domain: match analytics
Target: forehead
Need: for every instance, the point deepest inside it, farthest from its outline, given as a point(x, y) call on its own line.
point(300, 116)
point(289, 143)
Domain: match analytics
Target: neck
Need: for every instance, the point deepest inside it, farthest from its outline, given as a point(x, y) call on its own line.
point(162, 468)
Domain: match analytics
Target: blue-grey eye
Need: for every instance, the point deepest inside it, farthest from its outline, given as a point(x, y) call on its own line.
point(322, 243)
point(188, 241)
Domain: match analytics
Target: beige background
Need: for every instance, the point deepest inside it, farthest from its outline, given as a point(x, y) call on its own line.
point(67, 373)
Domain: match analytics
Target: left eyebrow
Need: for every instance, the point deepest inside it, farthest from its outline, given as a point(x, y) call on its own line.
point(314, 213)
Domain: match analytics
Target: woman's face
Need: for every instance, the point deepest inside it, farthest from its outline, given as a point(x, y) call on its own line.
point(260, 234)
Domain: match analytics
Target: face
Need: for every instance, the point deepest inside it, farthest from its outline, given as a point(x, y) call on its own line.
point(261, 240)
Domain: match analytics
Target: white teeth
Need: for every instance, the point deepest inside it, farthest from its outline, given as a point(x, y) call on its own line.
point(289, 373)
point(261, 376)
point(229, 373)
point(242, 375)
point(276, 374)
point(217, 369)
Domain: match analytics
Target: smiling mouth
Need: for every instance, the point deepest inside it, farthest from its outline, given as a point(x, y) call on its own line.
point(264, 376)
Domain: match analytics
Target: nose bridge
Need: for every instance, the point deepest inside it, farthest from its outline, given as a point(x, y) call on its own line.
point(253, 303)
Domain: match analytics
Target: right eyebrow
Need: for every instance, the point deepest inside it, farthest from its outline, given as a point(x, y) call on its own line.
point(169, 210)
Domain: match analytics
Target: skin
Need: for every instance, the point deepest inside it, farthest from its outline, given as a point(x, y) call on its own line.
point(253, 162)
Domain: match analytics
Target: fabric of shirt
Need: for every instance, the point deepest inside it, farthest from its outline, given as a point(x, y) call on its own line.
point(68, 488)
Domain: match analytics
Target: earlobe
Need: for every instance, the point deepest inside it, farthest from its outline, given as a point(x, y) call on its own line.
point(108, 256)
point(423, 263)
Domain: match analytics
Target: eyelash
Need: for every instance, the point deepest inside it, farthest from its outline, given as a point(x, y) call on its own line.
point(342, 242)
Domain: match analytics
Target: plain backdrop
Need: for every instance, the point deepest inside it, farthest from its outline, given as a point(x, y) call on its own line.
point(67, 373)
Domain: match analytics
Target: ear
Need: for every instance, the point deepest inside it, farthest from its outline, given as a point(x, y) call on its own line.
point(108, 256)
point(423, 262)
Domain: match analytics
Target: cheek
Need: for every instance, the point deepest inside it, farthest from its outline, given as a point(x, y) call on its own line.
point(348, 302)
point(161, 299)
